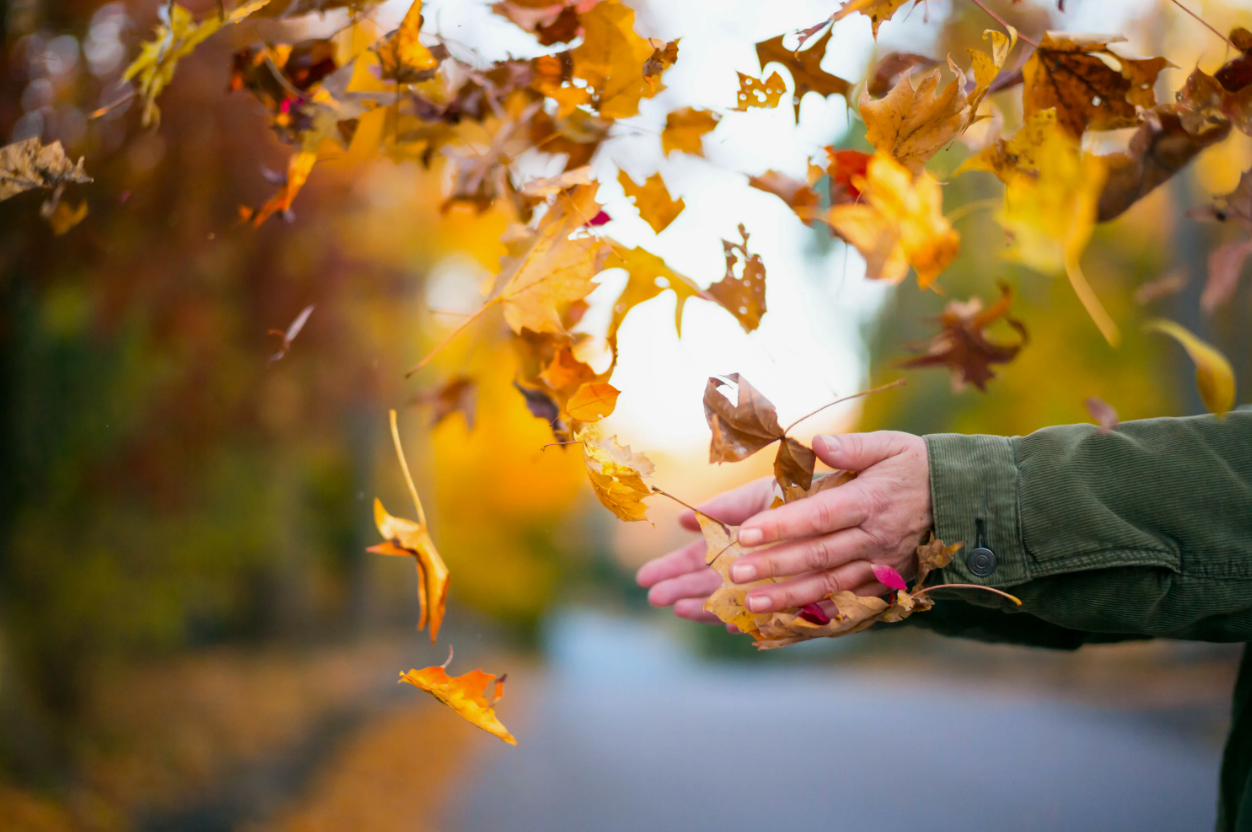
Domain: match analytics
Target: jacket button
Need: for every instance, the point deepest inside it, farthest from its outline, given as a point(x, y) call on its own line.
point(981, 561)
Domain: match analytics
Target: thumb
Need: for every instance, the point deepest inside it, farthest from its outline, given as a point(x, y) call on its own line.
point(856, 451)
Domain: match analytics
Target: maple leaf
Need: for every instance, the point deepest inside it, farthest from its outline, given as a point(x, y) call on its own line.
point(616, 475)
point(889, 69)
point(551, 23)
point(402, 57)
point(551, 185)
point(740, 429)
point(30, 164)
point(611, 59)
point(408, 538)
point(1213, 374)
point(727, 602)
point(799, 196)
point(1091, 87)
point(1017, 154)
point(962, 345)
point(877, 11)
point(1103, 413)
point(843, 166)
point(805, 67)
point(177, 35)
point(464, 694)
point(754, 93)
point(931, 555)
point(657, 208)
point(299, 166)
point(793, 465)
point(592, 402)
point(456, 395)
point(911, 124)
point(289, 334)
point(685, 129)
point(899, 223)
point(741, 295)
point(647, 277)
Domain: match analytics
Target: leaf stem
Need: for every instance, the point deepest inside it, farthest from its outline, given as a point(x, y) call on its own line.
point(962, 211)
point(419, 365)
point(1003, 23)
point(404, 465)
point(924, 590)
point(1091, 302)
point(550, 444)
point(897, 383)
point(1206, 24)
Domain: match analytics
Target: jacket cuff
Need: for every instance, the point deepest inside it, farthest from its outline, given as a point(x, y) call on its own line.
point(973, 495)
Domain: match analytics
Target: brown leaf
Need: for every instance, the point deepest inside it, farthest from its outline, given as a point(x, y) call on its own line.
point(805, 68)
point(727, 602)
point(685, 129)
point(1103, 413)
point(1236, 205)
point(740, 429)
point(844, 167)
point(793, 466)
point(744, 295)
point(759, 94)
point(962, 345)
point(456, 395)
point(931, 555)
point(657, 208)
point(877, 11)
point(1091, 87)
point(798, 195)
point(1225, 267)
point(889, 69)
point(60, 215)
point(30, 164)
point(663, 57)
point(911, 124)
point(402, 57)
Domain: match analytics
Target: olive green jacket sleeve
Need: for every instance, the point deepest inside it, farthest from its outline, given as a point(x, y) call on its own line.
point(1145, 531)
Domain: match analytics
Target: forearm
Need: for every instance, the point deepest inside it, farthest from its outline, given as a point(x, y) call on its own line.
point(1144, 531)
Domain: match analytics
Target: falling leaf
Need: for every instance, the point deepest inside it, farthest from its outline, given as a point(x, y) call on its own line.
point(408, 538)
point(611, 59)
point(456, 395)
point(648, 276)
point(962, 344)
point(402, 57)
point(61, 216)
point(741, 295)
point(877, 11)
point(551, 23)
point(541, 405)
point(1213, 374)
point(888, 576)
point(177, 35)
point(760, 94)
point(299, 166)
point(289, 335)
point(547, 186)
point(657, 208)
point(29, 164)
point(728, 602)
point(592, 402)
point(843, 166)
point(1091, 87)
point(616, 475)
point(987, 65)
point(798, 195)
point(911, 124)
point(685, 130)
point(663, 57)
point(889, 69)
point(565, 373)
point(1103, 413)
point(898, 224)
point(805, 67)
point(740, 429)
point(463, 694)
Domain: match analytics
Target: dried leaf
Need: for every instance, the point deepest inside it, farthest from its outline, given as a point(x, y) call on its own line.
point(648, 276)
point(740, 429)
point(793, 466)
point(1103, 413)
point(611, 60)
point(931, 555)
point(463, 694)
point(798, 195)
point(549, 185)
point(1091, 87)
point(1019, 154)
point(657, 208)
point(805, 67)
point(456, 395)
point(402, 57)
point(685, 129)
point(1213, 374)
point(728, 601)
point(592, 402)
point(29, 164)
point(987, 65)
point(759, 94)
point(61, 216)
point(962, 344)
point(741, 295)
point(877, 11)
point(912, 124)
point(889, 69)
point(844, 166)
point(616, 475)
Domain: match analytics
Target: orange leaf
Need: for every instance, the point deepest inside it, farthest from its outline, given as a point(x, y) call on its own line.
point(593, 402)
point(463, 694)
point(657, 208)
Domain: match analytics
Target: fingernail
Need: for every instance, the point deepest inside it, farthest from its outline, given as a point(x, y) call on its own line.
point(759, 603)
point(742, 572)
point(750, 537)
point(830, 443)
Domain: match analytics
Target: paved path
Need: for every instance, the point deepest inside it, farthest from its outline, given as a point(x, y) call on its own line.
point(628, 734)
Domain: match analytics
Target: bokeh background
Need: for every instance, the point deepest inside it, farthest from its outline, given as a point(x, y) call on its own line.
point(192, 636)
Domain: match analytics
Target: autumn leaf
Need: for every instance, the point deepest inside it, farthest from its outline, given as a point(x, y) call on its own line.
point(987, 65)
point(843, 166)
point(177, 35)
point(456, 395)
point(592, 402)
point(877, 11)
point(663, 57)
point(911, 124)
point(550, 185)
point(898, 224)
point(963, 346)
point(754, 93)
point(728, 602)
point(1103, 413)
point(30, 164)
point(888, 577)
point(657, 208)
point(463, 694)
point(741, 295)
point(799, 196)
point(793, 466)
point(889, 69)
point(647, 277)
point(1017, 154)
point(1091, 87)
point(685, 130)
point(1214, 376)
point(408, 538)
point(611, 59)
point(805, 67)
point(550, 23)
point(402, 57)
point(61, 216)
point(617, 475)
point(740, 429)
point(1225, 263)
point(931, 555)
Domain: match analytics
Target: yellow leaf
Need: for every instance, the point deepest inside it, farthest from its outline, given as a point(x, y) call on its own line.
point(987, 66)
point(299, 166)
point(912, 124)
point(684, 130)
point(616, 475)
point(611, 59)
point(649, 276)
point(592, 402)
point(899, 224)
point(62, 217)
point(763, 94)
point(463, 694)
point(728, 602)
point(1213, 374)
point(657, 208)
point(1018, 154)
point(402, 57)
point(876, 10)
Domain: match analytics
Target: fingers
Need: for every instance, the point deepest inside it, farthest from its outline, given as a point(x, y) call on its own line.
point(689, 558)
point(692, 609)
point(824, 512)
point(811, 587)
point(857, 451)
point(734, 506)
point(692, 585)
point(814, 554)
